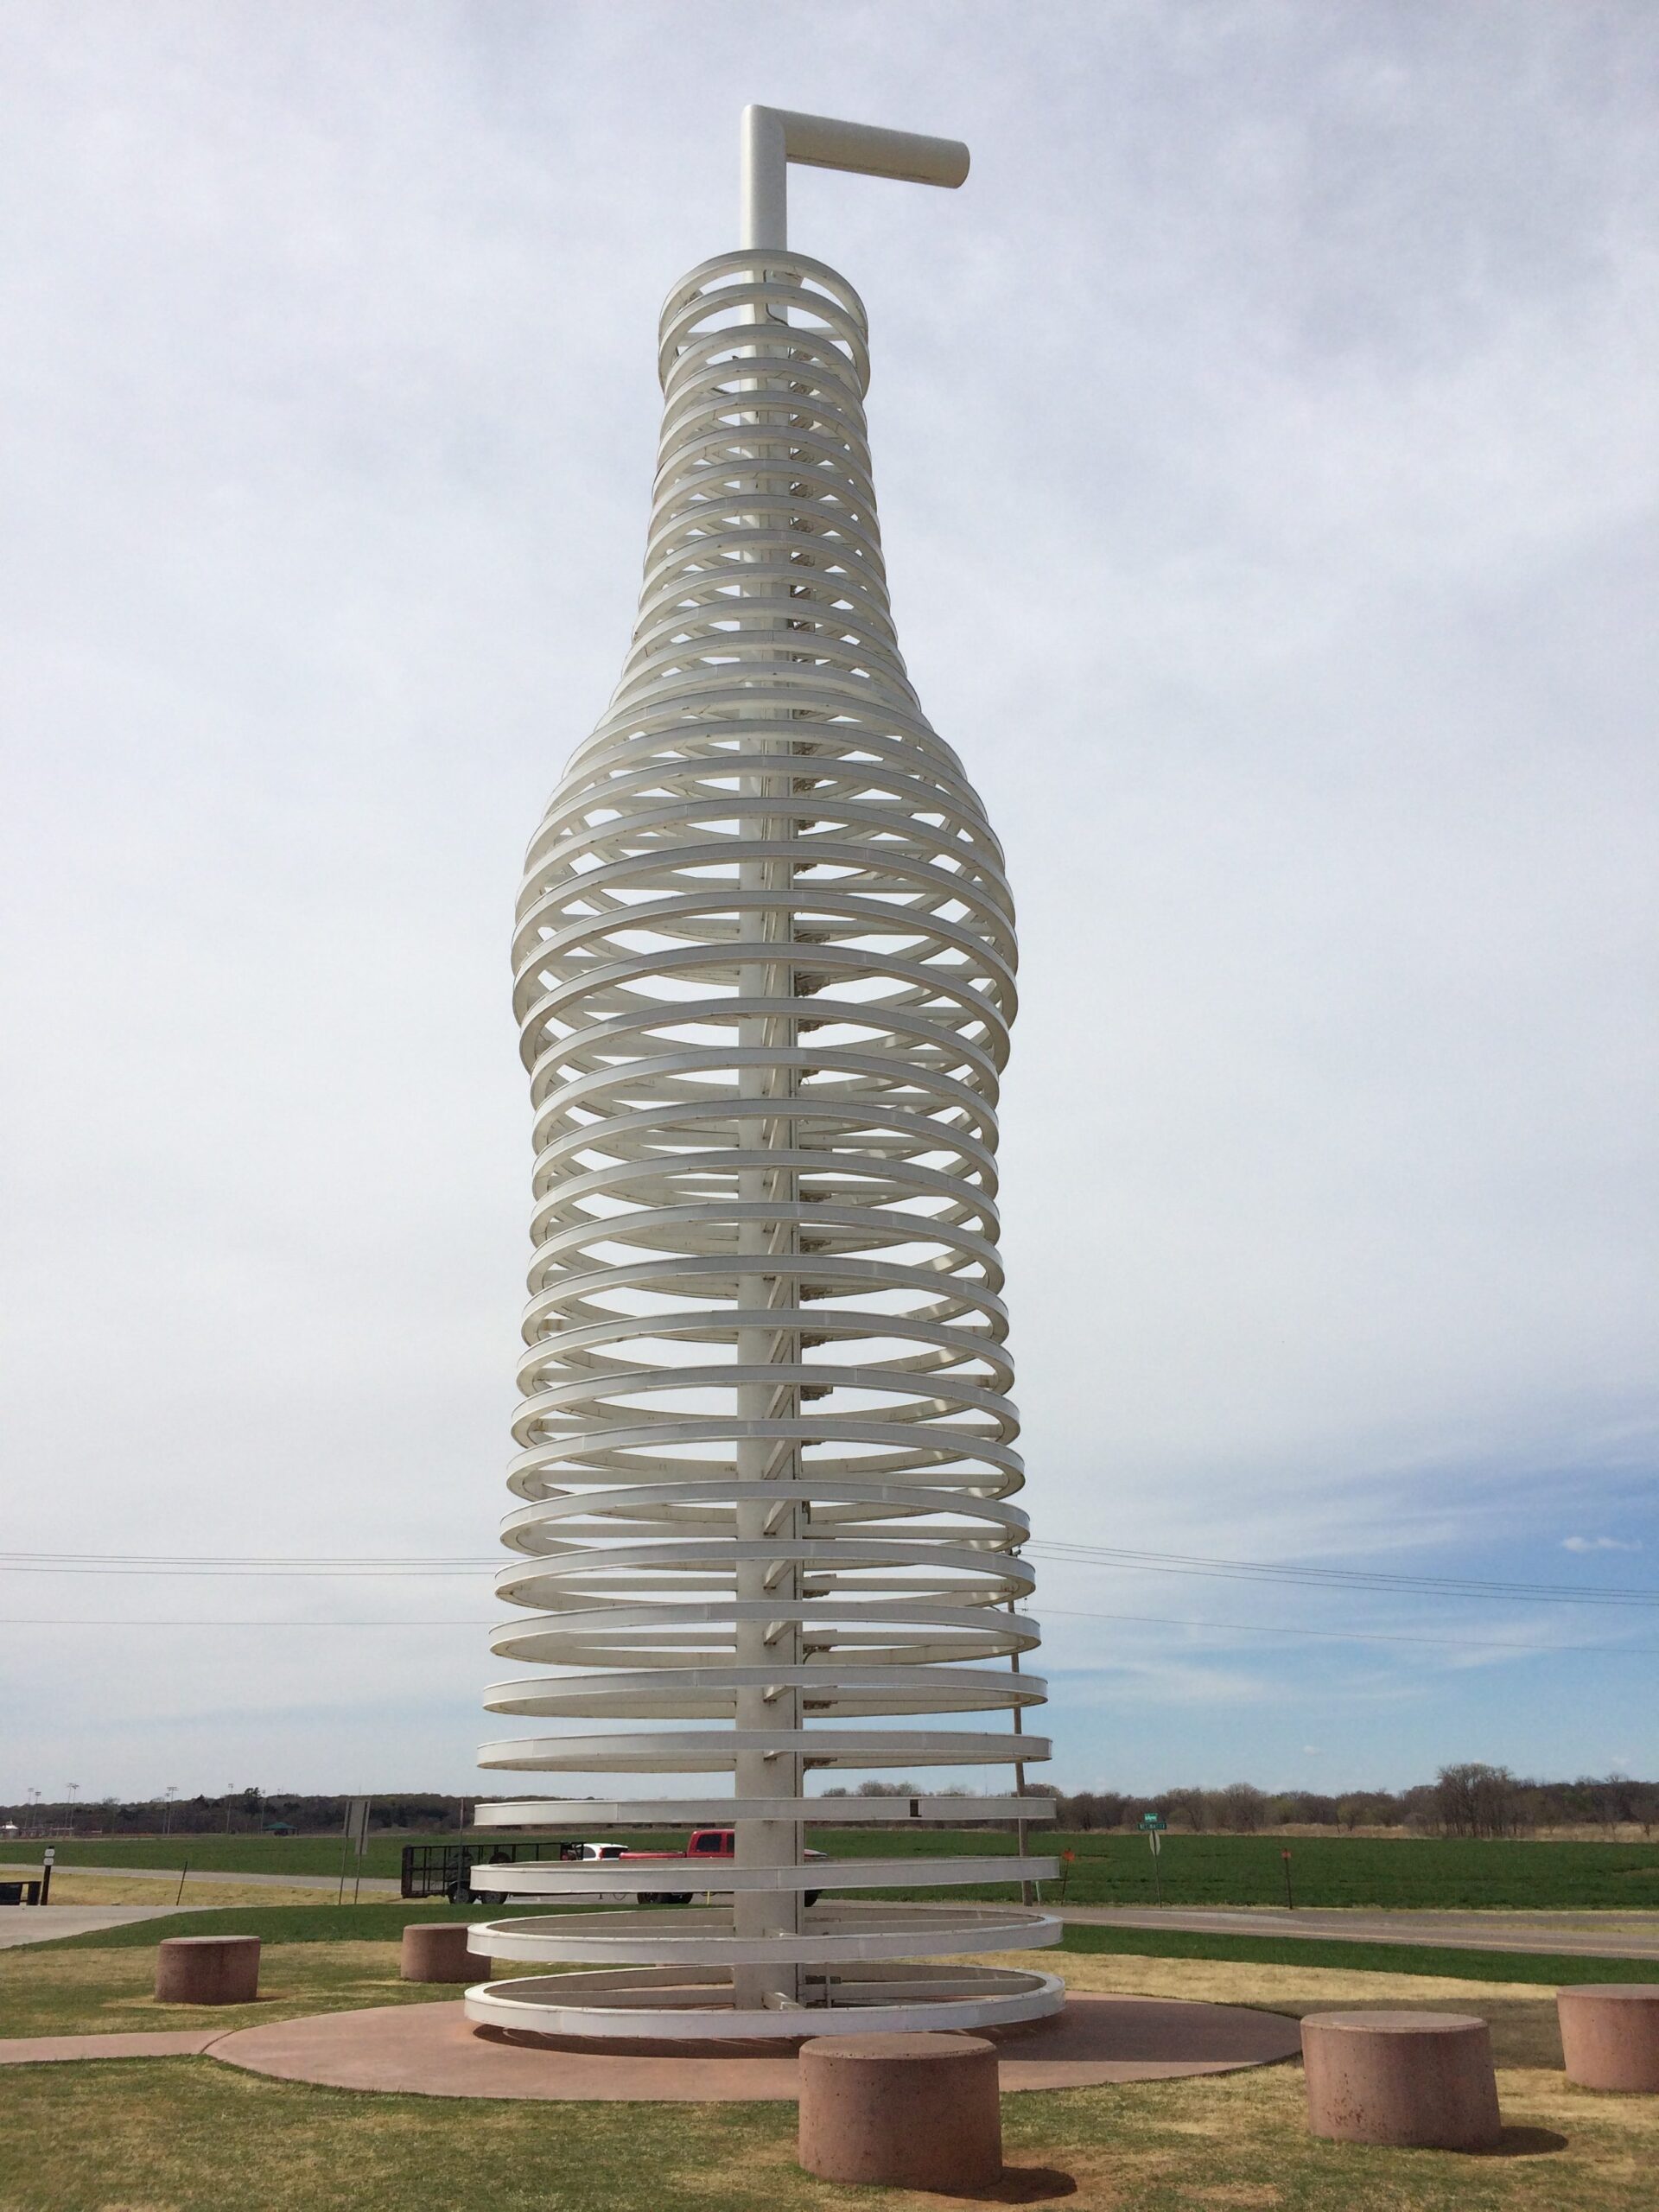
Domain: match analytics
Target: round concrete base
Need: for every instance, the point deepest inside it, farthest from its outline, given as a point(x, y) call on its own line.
point(1610, 2034)
point(207, 1970)
point(913, 2111)
point(1417, 2079)
point(432, 2050)
point(435, 1950)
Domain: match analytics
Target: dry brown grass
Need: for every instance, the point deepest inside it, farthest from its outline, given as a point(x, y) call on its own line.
point(186, 2135)
point(70, 1885)
point(104, 1993)
point(1522, 2014)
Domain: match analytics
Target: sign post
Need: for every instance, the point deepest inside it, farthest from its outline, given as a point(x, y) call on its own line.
point(49, 1860)
point(1290, 1901)
point(1154, 1824)
point(356, 1831)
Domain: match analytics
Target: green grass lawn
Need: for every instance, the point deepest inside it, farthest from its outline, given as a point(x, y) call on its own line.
point(283, 1925)
point(187, 2135)
point(190, 2135)
point(326, 1923)
point(53, 1991)
point(1235, 1870)
point(1544, 1968)
point(1222, 1869)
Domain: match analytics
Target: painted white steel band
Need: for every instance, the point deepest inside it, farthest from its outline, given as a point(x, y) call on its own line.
point(553, 2006)
point(705, 1936)
point(535, 1528)
point(583, 1878)
point(706, 1751)
point(699, 1693)
point(902, 1631)
point(721, 1812)
point(967, 1631)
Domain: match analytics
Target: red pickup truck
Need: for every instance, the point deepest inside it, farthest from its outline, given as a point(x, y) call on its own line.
point(705, 1844)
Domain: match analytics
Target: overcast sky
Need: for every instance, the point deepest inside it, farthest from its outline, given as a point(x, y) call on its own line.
point(1265, 443)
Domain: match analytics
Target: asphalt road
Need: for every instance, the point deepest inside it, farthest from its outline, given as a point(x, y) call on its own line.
point(1590, 1935)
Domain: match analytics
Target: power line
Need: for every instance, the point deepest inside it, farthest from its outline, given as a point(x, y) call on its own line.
point(1059, 1612)
point(1344, 1577)
point(1361, 1635)
point(396, 1569)
point(299, 1568)
point(302, 1566)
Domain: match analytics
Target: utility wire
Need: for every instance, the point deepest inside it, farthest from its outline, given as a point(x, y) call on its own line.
point(1052, 1612)
point(138, 1563)
point(1358, 1636)
point(1438, 1585)
point(393, 1569)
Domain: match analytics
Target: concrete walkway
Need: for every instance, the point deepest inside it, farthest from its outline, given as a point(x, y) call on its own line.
point(42, 2051)
point(44, 1923)
point(433, 2050)
point(1587, 1935)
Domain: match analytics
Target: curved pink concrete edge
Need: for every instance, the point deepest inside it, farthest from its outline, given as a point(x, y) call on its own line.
point(161, 2042)
point(432, 2050)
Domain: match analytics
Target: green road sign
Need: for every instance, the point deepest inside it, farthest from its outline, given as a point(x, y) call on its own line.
point(1153, 1820)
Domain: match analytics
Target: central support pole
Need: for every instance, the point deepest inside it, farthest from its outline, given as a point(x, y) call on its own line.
point(757, 1642)
point(771, 139)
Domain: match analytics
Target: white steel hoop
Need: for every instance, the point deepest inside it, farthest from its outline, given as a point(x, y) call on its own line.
point(764, 971)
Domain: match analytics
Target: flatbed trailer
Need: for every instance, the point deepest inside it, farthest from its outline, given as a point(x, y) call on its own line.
point(441, 1870)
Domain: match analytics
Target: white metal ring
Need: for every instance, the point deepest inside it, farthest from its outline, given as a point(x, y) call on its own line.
point(763, 968)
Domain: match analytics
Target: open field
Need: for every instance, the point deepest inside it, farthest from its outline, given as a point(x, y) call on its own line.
point(288, 1927)
point(223, 1854)
point(1426, 1873)
point(71, 1886)
point(59, 1990)
point(318, 1921)
point(1329, 1871)
point(190, 2136)
point(1301, 1955)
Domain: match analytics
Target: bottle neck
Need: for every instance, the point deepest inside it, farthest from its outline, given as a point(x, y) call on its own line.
point(763, 564)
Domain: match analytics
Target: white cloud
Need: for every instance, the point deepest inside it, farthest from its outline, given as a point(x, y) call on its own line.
point(1601, 1544)
point(1268, 455)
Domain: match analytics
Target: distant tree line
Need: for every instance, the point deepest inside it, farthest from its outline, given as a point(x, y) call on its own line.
point(238, 1812)
point(1467, 1800)
point(1471, 1799)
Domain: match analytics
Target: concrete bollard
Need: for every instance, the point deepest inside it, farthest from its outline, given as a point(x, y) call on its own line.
point(207, 1970)
point(916, 2112)
point(1610, 2034)
point(1422, 2078)
point(435, 1950)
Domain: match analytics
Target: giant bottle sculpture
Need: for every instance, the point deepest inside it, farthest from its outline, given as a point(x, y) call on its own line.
point(764, 970)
